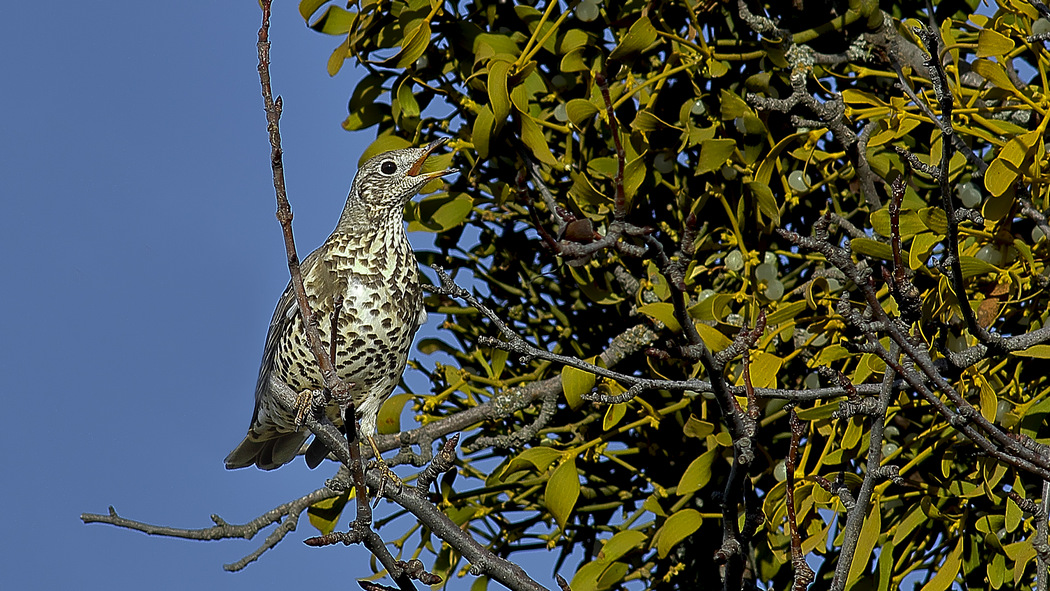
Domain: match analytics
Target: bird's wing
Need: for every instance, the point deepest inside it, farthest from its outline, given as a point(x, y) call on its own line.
point(287, 309)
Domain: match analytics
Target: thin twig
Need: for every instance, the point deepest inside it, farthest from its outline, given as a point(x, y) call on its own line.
point(803, 573)
point(286, 514)
point(284, 210)
point(620, 201)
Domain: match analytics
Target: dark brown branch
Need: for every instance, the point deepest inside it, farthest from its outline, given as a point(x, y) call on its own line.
point(859, 512)
point(334, 385)
point(1042, 547)
point(287, 515)
point(803, 573)
point(284, 210)
point(907, 294)
point(505, 572)
point(1016, 456)
point(443, 462)
point(620, 202)
point(952, 262)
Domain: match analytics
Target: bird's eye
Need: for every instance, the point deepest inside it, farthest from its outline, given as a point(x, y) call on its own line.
point(388, 167)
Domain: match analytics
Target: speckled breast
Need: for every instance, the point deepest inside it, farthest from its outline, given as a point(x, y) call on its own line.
point(381, 311)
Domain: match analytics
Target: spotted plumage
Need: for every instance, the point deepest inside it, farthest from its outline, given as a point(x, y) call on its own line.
point(369, 262)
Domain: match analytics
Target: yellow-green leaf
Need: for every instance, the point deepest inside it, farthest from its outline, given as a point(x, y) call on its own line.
point(620, 544)
point(784, 313)
point(947, 571)
point(764, 369)
point(580, 111)
point(921, 247)
point(575, 383)
point(586, 579)
point(996, 569)
point(677, 527)
point(642, 34)
point(613, 415)
point(307, 8)
point(713, 338)
point(821, 411)
point(732, 106)
point(652, 504)
point(852, 96)
point(538, 457)
point(482, 131)
point(1000, 176)
point(973, 266)
point(612, 574)
point(491, 44)
point(713, 308)
point(884, 574)
point(339, 55)
point(563, 489)
point(633, 177)
point(389, 420)
point(499, 96)
point(873, 248)
point(573, 38)
point(908, 524)
point(993, 43)
point(441, 212)
point(646, 121)
point(935, 219)
point(664, 312)
point(714, 154)
point(996, 207)
point(324, 515)
point(767, 203)
point(832, 353)
point(335, 20)
point(573, 61)
point(989, 403)
point(698, 474)
point(694, 427)
point(1017, 150)
point(992, 72)
point(765, 170)
point(869, 536)
point(383, 143)
point(533, 137)
point(416, 42)
point(406, 99)
point(1037, 351)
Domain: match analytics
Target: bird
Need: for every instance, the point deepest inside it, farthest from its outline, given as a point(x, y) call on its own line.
point(368, 263)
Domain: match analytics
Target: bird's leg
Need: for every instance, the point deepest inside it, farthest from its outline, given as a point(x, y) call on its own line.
point(304, 401)
point(388, 474)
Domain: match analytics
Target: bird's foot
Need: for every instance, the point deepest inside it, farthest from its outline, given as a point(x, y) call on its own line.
point(387, 475)
point(304, 402)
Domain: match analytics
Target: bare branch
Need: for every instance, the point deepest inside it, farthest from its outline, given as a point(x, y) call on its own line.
point(286, 514)
point(441, 464)
point(803, 573)
point(284, 209)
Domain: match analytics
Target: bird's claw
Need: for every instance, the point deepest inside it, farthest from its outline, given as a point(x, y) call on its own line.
point(386, 473)
point(303, 403)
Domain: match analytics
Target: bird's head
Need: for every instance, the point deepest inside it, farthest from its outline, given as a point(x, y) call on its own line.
point(387, 181)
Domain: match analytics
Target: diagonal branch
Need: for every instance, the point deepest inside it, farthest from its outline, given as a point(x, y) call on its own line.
point(284, 209)
point(482, 560)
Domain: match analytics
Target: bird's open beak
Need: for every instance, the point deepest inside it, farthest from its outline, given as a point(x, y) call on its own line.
point(417, 167)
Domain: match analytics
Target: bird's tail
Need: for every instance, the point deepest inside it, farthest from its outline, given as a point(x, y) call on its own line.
point(267, 454)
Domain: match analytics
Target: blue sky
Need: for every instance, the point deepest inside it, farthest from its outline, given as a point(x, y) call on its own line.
point(142, 263)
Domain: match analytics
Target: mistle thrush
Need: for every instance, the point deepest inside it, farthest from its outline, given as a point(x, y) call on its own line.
point(368, 261)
